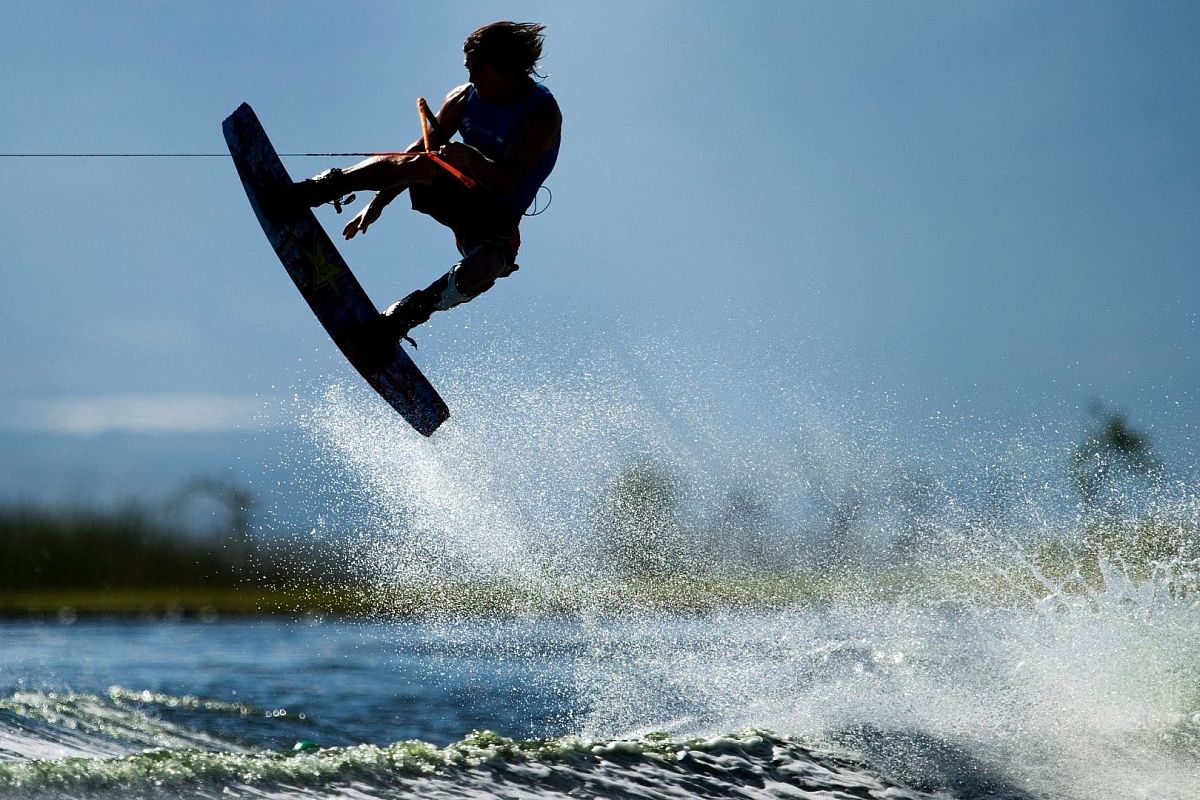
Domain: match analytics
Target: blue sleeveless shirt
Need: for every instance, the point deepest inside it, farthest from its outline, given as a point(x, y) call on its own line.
point(489, 129)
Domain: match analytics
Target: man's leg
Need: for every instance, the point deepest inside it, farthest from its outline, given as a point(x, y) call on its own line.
point(466, 280)
point(374, 174)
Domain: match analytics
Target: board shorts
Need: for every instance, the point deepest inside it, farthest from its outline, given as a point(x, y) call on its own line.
point(472, 214)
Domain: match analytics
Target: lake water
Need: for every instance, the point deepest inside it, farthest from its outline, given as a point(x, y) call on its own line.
point(1065, 696)
point(1095, 699)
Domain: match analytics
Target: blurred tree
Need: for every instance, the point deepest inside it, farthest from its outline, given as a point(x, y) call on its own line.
point(843, 548)
point(914, 496)
point(188, 506)
point(642, 525)
point(1111, 455)
point(739, 533)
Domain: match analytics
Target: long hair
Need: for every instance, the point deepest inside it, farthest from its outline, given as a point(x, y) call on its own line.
point(511, 46)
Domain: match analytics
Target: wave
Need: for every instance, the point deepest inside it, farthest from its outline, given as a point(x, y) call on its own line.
point(121, 744)
point(753, 764)
point(36, 725)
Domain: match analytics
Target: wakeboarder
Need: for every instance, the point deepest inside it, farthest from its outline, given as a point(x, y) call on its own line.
point(479, 188)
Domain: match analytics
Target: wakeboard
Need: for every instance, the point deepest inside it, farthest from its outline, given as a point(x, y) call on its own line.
point(321, 274)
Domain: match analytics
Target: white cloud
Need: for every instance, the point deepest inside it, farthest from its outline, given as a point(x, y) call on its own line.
point(142, 413)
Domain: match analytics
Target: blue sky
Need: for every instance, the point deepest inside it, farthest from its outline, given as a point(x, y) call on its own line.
point(951, 210)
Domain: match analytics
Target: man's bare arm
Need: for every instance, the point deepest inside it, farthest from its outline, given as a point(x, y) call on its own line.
point(449, 118)
point(536, 134)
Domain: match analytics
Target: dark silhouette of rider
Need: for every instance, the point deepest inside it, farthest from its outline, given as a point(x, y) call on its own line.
point(510, 127)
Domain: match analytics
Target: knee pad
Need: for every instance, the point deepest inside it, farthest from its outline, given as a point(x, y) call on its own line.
point(451, 296)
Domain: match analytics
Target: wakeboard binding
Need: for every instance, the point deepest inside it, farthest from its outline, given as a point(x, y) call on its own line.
point(325, 188)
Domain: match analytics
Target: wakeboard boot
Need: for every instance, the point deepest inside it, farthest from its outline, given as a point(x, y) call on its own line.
point(324, 187)
point(376, 343)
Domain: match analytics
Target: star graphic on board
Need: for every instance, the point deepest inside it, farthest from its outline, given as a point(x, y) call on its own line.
point(324, 272)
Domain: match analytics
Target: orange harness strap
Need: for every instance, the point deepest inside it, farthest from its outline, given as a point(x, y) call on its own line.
point(426, 116)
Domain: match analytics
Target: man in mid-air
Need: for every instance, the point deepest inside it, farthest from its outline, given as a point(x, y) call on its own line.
point(511, 128)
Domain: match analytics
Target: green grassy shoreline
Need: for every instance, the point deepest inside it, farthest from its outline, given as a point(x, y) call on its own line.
point(205, 603)
point(688, 596)
point(74, 563)
point(1139, 553)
